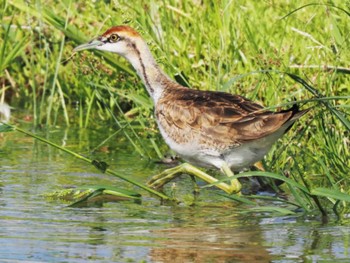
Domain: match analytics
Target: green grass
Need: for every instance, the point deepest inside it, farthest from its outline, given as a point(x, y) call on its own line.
point(244, 47)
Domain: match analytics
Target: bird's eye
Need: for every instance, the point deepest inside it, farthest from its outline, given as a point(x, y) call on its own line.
point(114, 38)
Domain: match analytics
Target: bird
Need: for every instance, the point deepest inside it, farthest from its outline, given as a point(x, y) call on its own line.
point(207, 129)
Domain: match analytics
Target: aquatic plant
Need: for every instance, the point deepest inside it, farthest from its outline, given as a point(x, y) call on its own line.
point(273, 52)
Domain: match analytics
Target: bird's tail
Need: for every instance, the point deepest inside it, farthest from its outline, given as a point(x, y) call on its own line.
point(296, 114)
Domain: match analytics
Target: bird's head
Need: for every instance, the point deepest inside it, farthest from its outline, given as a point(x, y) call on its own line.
point(118, 39)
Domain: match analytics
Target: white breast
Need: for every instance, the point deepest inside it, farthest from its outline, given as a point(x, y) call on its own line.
point(237, 158)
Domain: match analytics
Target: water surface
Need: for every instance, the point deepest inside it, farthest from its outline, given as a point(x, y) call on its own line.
point(34, 229)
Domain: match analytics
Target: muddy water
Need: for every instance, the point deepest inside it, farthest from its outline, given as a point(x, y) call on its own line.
point(34, 229)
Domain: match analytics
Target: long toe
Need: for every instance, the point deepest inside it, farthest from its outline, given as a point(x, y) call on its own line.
point(235, 186)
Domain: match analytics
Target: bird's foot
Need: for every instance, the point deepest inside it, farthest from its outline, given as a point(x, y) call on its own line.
point(166, 176)
point(159, 180)
point(235, 186)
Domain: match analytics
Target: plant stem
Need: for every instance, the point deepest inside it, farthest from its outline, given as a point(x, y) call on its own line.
point(97, 164)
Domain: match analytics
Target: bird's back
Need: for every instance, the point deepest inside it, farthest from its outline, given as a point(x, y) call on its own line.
point(217, 119)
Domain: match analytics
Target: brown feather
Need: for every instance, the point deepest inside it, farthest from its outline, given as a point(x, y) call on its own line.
point(218, 118)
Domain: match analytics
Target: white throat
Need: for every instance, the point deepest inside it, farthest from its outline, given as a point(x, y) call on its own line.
point(153, 77)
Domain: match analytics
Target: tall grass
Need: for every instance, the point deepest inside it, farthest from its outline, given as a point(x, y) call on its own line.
point(235, 46)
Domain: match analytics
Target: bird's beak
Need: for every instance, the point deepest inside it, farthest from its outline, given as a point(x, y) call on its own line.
point(91, 45)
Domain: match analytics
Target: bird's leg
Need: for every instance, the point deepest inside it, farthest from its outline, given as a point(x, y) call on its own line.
point(169, 174)
point(235, 184)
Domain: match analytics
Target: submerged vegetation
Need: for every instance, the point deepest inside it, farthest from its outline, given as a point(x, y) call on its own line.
point(271, 52)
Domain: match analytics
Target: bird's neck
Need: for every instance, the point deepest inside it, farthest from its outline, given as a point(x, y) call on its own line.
point(155, 80)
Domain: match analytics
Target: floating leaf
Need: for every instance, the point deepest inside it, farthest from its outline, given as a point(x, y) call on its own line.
point(82, 196)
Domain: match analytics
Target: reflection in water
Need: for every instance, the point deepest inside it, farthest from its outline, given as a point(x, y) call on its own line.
point(208, 234)
point(207, 244)
point(36, 230)
point(312, 241)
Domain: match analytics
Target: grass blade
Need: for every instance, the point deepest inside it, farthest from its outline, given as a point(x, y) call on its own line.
point(264, 174)
point(331, 193)
point(316, 93)
point(99, 165)
point(272, 209)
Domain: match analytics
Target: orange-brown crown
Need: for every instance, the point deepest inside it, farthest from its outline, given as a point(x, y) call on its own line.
point(121, 29)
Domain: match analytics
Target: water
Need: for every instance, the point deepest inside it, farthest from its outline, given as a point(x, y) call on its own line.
point(34, 229)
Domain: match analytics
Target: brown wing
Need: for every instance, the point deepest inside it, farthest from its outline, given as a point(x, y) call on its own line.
point(216, 117)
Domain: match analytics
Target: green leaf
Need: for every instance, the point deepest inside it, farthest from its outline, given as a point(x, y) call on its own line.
point(237, 198)
point(335, 31)
point(316, 93)
point(69, 31)
point(85, 199)
point(264, 174)
point(273, 209)
point(13, 52)
point(113, 190)
point(331, 193)
point(83, 195)
point(5, 128)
